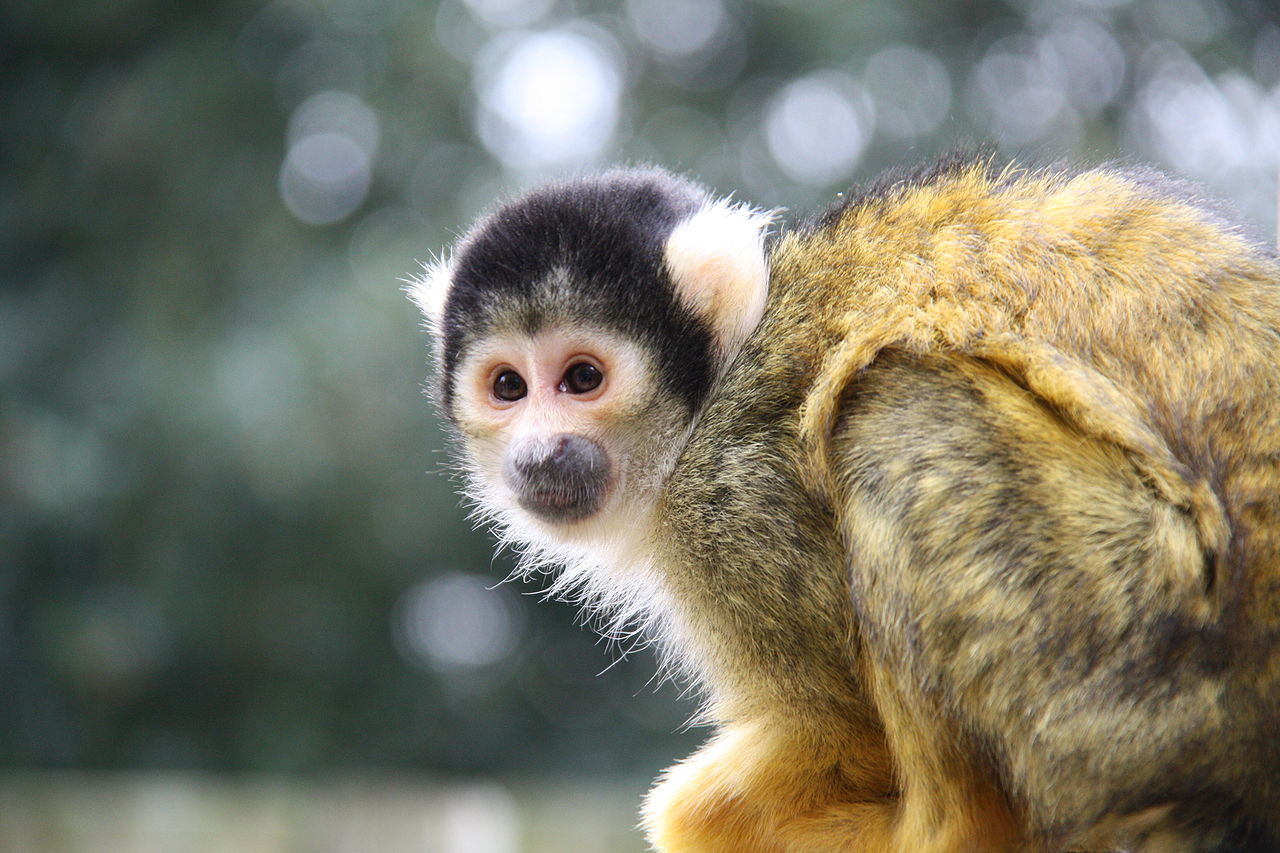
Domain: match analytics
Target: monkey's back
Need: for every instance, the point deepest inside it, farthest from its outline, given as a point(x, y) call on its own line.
point(1039, 413)
point(1140, 317)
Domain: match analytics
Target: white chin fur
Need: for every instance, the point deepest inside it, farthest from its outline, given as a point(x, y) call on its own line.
point(605, 568)
point(717, 260)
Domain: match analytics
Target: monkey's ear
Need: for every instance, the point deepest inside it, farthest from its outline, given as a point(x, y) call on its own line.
point(430, 290)
point(718, 262)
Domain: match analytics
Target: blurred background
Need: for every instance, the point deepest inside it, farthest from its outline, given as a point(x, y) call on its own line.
point(240, 608)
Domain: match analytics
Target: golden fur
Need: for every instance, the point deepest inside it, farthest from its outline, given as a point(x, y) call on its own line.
point(977, 545)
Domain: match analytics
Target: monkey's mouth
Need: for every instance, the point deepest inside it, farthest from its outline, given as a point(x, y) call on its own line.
point(556, 500)
point(563, 506)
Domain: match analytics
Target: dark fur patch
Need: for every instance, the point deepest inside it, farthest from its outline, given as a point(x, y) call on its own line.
point(1248, 838)
point(588, 251)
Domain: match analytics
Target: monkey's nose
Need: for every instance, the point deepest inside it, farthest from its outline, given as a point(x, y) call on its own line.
point(561, 478)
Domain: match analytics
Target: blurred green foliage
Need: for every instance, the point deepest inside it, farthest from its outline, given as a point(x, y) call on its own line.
point(226, 540)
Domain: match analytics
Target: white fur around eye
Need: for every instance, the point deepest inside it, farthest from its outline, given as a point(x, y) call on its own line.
point(717, 260)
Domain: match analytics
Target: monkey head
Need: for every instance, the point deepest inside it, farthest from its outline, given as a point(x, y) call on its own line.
point(578, 332)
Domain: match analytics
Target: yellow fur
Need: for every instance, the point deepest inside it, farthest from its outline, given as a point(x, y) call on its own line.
point(977, 546)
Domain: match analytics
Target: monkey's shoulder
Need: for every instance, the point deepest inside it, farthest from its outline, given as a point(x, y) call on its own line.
point(1111, 293)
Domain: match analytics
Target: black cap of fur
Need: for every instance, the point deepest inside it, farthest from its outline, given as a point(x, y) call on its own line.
point(589, 251)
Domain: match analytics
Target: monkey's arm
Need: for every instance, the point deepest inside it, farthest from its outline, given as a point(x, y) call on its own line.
point(1011, 578)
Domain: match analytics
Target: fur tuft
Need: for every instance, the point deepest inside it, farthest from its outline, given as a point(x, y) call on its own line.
point(430, 290)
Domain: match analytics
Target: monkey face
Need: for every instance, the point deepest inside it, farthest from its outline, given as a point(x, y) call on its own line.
point(549, 419)
point(579, 331)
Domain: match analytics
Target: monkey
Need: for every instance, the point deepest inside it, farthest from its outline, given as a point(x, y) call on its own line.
point(959, 501)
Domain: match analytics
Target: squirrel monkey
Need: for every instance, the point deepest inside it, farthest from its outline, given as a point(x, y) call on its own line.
point(961, 502)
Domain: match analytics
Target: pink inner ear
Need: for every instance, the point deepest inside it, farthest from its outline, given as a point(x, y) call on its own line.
point(703, 285)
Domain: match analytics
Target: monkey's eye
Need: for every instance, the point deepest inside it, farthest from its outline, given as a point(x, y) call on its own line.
point(509, 386)
point(581, 378)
